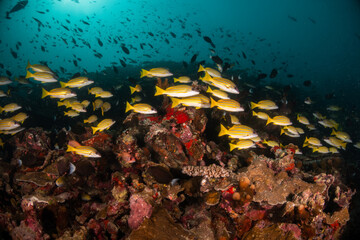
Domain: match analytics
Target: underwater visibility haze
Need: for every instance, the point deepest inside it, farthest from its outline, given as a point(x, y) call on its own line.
point(129, 119)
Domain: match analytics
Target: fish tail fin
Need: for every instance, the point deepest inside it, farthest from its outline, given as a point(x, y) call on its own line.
point(298, 117)
point(176, 80)
point(282, 131)
point(223, 130)
point(88, 90)
point(86, 121)
point(60, 104)
point(143, 73)
point(128, 107)
point(28, 65)
point(253, 105)
point(207, 77)
point(343, 145)
point(201, 68)
point(213, 103)
point(315, 150)
point(66, 113)
point(70, 149)
point(132, 89)
point(254, 113)
point(44, 93)
point(93, 106)
point(232, 146)
point(209, 90)
point(159, 91)
point(94, 129)
point(102, 110)
point(62, 84)
point(133, 100)
point(29, 74)
point(269, 120)
point(1, 109)
point(175, 102)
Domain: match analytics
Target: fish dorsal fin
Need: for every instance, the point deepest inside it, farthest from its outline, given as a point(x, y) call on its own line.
point(74, 143)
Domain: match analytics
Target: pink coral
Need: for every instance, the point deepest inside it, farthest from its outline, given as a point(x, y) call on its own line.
point(139, 210)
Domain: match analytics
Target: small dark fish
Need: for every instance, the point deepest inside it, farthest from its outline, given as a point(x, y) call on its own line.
point(292, 18)
point(62, 69)
point(273, 73)
point(261, 76)
point(150, 45)
point(76, 75)
point(202, 62)
point(253, 62)
point(1, 65)
point(290, 75)
point(40, 24)
point(43, 48)
point(99, 42)
point(226, 67)
point(75, 63)
point(330, 95)
point(185, 64)
point(244, 55)
point(20, 5)
point(115, 70)
point(167, 41)
point(173, 34)
point(151, 34)
point(307, 83)
point(123, 63)
point(125, 49)
point(217, 59)
point(208, 40)
point(13, 53)
point(193, 59)
point(312, 20)
point(98, 55)
point(64, 40)
point(8, 73)
point(65, 27)
point(84, 22)
point(67, 20)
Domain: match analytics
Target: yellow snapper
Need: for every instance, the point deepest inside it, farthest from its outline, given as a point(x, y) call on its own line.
point(155, 72)
point(318, 116)
point(311, 127)
point(8, 124)
point(78, 82)
point(333, 108)
point(67, 102)
point(218, 93)
point(176, 91)
point(321, 149)
point(137, 88)
point(212, 72)
point(136, 99)
point(140, 108)
point(271, 143)
point(61, 93)
point(264, 104)
point(77, 107)
point(342, 135)
point(333, 150)
point(197, 101)
point(238, 132)
point(104, 124)
point(303, 120)
point(85, 103)
point(85, 151)
point(20, 117)
point(226, 105)
point(104, 94)
point(335, 142)
point(279, 120)
point(308, 101)
point(182, 79)
point(260, 115)
point(97, 104)
point(12, 131)
point(300, 130)
point(222, 83)
point(91, 119)
point(43, 77)
point(291, 132)
point(3, 94)
point(71, 113)
point(312, 141)
point(105, 107)
point(242, 144)
point(95, 90)
point(4, 80)
point(329, 123)
point(357, 145)
point(22, 80)
point(11, 107)
point(39, 68)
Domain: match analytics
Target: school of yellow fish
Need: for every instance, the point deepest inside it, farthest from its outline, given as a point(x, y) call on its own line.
point(218, 94)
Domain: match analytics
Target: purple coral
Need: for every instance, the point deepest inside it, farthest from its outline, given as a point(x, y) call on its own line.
point(139, 210)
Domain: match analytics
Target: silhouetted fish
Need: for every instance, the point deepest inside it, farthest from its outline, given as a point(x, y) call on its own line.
point(99, 42)
point(217, 59)
point(208, 40)
point(312, 20)
point(253, 62)
point(185, 64)
point(307, 83)
point(123, 63)
point(261, 76)
point(273, 73)
point(76, 75)
point(65, 27)
point(290, 75)
point(115, 70)
point(244, 55)
point(84, 22)
point(173, 34)
point(20, 5)
point(193, 59)
point(13, 53)
point(292, 18)
point(125, 49)
point(8, 73)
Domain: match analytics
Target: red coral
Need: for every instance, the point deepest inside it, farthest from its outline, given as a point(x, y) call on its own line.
point(181, 117)
point(335, 225)
point(290, 167)
point(98, 138)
